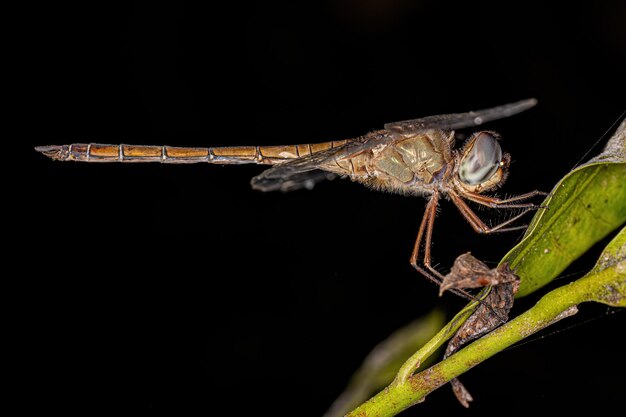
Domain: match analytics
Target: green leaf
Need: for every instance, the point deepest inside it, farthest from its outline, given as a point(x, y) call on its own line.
point(584, 207)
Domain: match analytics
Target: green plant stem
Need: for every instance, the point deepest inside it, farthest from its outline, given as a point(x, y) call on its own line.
point(607, 286)
point(430, 347)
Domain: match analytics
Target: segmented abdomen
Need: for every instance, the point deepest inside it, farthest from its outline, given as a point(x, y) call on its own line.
point(95, 152)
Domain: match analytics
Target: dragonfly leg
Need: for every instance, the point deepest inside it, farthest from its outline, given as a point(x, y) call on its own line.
point(478, 225)
point(426, 226)
point(425, 232)
point(494, 202)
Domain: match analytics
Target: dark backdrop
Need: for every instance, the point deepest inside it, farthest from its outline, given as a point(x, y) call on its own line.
point(177, 287)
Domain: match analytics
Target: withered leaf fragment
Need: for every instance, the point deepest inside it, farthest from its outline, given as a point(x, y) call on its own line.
point(469, 272)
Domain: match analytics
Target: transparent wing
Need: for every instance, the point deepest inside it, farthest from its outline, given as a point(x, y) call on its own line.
point(292, 181)
point(458, 120)
point(305, 172)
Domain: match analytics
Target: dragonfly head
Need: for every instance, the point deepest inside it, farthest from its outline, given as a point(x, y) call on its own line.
point(482, 165)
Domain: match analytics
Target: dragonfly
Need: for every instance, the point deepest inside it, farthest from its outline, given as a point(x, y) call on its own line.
point(412, 157)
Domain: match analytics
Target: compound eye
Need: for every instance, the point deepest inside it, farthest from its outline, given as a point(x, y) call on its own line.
point(482, 160)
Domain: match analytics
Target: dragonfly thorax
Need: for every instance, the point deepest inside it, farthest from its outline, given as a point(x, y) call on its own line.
point(412, 165)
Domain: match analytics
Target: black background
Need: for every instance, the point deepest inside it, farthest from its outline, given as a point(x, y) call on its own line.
point(176, 288)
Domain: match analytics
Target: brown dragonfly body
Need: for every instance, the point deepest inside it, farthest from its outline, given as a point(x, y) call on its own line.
point(408, 166)
point(414, 157)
